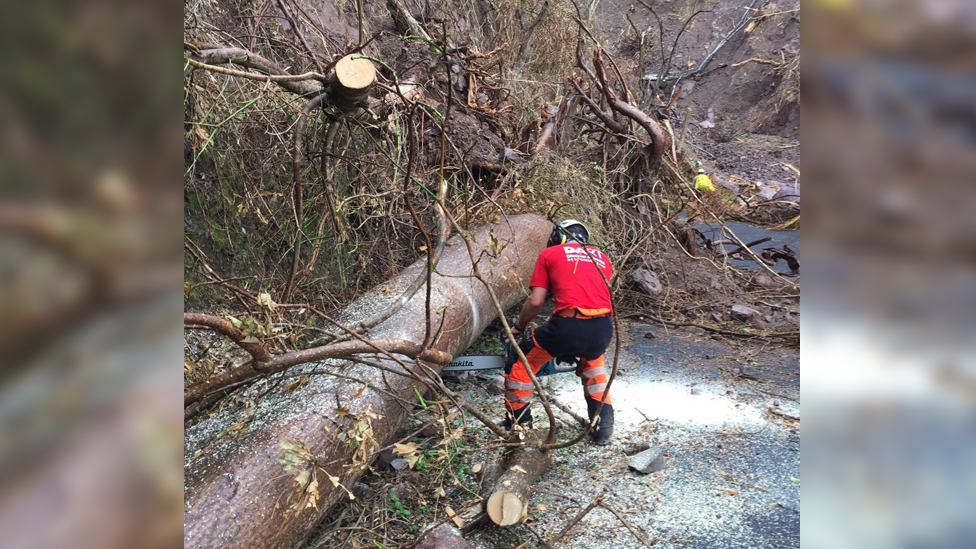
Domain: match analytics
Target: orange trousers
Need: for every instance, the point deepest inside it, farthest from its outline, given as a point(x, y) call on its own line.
point(518, 384)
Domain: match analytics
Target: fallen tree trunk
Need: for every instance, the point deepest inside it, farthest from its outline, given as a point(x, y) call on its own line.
point(509, 500)
point(236, 492)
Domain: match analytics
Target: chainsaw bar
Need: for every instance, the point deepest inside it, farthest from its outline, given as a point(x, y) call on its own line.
point(475, 362)
point(468, 363)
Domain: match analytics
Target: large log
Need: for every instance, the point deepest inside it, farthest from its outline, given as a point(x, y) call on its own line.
point(236, 493)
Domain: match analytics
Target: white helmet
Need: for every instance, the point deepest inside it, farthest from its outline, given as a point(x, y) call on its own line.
point(569, 230)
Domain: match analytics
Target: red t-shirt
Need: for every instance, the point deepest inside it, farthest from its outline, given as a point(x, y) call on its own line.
point(567, 271)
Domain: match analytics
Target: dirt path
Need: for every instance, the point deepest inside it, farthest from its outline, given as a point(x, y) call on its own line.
point(732, 467)
point(732, 472)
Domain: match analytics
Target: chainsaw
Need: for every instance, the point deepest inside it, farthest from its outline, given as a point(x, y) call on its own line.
point(558, 365)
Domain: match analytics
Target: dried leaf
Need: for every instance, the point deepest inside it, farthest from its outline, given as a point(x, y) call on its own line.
point(342, 411)
point(359, 393)
point(411, 460)
point(540, 507)
point(337, 484)
point(440, 492)
point(405, 449)
point(264, 300)
point(794, 479)
point(729, 491)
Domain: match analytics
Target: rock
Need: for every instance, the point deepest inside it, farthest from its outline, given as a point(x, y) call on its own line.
point(648, 461)
point(743, 313)
point(767, 193)
point(695, 391)
point(445, 536)
point(384, 459)
point(636, 448)
point(398, 464)
point(360, 489)
point(787, 194)
point(717, 317)
point(497, 385)
point(413, 477)
point(511, 155)
point(647, 281)
point(726, 184)
point(463, 376)
point(763, 280)
point(401, 491)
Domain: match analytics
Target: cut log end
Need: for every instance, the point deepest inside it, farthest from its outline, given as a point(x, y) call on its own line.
point(506, 508)
point(355, 73)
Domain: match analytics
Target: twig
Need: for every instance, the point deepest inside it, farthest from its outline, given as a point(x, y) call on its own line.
point(311, 75)
point(579, 516)
point(296, 161)
point(757, 60)
point(624, 522)
point(286, 360)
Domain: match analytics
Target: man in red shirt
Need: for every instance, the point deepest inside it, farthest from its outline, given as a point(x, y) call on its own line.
point(581, 324)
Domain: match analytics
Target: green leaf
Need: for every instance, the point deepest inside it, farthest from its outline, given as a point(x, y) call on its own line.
point(250, 339)
point(234, 321)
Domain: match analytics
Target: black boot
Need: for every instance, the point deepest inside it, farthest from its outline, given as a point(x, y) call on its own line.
point(523, 417)
point(601, 433)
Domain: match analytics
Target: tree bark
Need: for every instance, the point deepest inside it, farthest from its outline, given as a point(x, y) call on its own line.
point(509, 500)
point(236, 493)
point(349, 84)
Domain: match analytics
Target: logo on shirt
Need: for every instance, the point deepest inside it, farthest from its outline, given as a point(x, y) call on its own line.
point(575, 253)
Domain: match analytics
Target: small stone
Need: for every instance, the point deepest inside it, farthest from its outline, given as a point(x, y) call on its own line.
point(401, 491)
point(768, 319)
point(636, 447)
point(360, 489)
point(776, 403)
point(765, 281)
point(716, 285)
point(398, 464)
point(497, 385)
point(717, 317)
point(695, 391)
point(743, 313)
point(384, 460)
point(430, 431)
point(649, 335)
point(648, 461)
point(647, 281)
point(463, 376)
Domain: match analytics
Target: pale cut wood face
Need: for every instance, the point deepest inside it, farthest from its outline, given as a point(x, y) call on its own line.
point(355, 73)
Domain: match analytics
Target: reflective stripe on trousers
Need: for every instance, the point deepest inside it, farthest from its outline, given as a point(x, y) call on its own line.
point(594, 376)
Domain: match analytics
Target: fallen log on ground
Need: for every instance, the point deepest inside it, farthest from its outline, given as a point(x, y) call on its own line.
point(509, 500)
point(263, 473)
